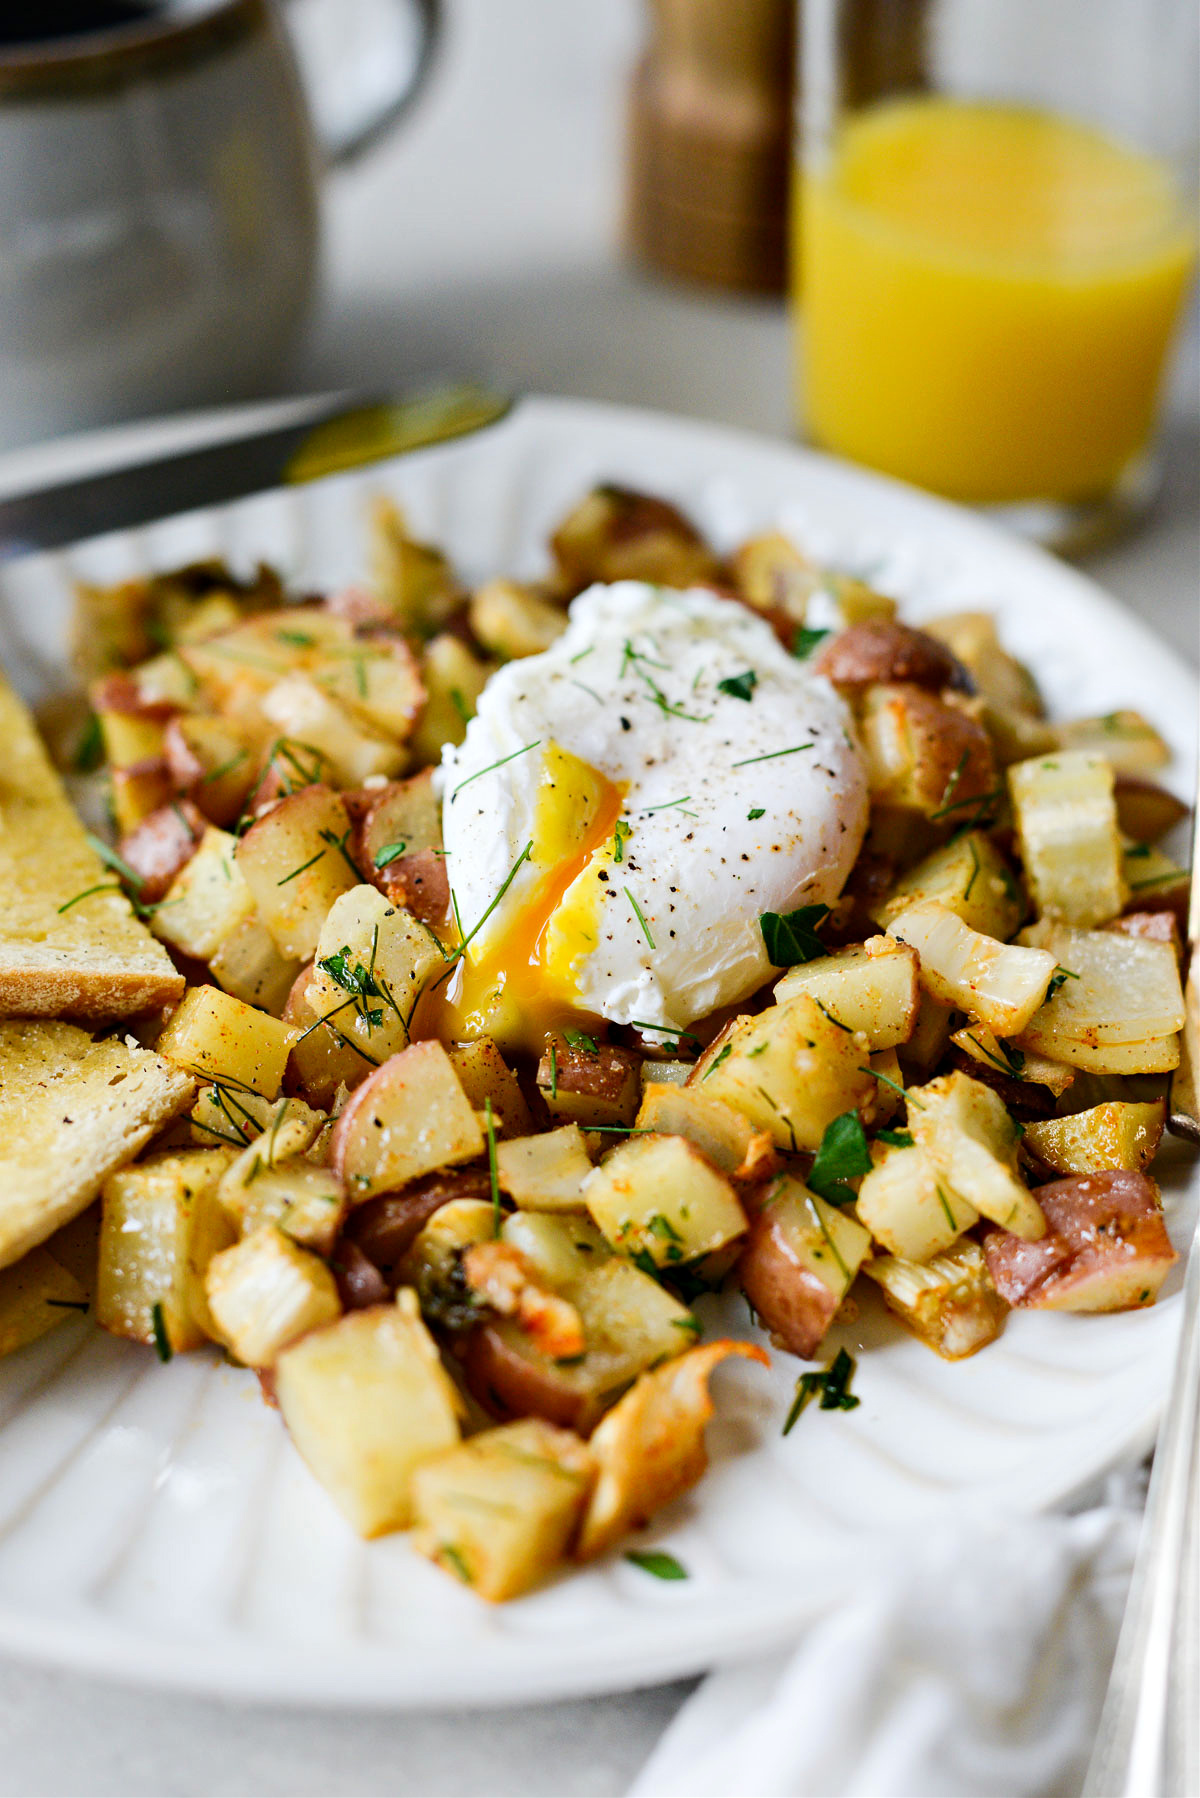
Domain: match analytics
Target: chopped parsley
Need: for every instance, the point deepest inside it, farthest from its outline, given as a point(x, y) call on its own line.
point(578, 1039)
point(843, 1154)
point(89, 751)
point(895, 1139)
point(831, 1386)
point(621, 833)
point(1058, 979)
point(162, 1342)
point(739, 686)
point(806, 640)
point(755, 813)
point(656, 1562)
point(791, 937)
point(391, 852)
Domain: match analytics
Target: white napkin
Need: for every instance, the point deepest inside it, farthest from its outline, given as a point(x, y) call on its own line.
point(977, 1670)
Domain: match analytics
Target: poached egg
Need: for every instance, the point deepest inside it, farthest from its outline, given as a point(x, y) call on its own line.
point(627, 804)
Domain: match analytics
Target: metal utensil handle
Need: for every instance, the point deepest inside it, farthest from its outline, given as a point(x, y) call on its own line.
point(344, 129)
point(1146, 1742)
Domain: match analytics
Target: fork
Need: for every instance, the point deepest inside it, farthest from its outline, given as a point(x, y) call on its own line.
point(1148, 1740)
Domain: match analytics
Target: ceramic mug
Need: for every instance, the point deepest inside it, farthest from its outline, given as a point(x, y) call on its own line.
point(159, 195)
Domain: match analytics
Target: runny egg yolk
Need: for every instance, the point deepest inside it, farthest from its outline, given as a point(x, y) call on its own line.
point(523, 983)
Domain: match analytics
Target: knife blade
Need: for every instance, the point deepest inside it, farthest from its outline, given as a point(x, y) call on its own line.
point(325, 442)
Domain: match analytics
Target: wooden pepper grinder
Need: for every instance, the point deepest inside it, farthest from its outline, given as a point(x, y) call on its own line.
point(711, 127)
point(710, 142)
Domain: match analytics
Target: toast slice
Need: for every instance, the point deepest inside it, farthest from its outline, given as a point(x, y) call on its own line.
point(72, 1111)
point(94, 960)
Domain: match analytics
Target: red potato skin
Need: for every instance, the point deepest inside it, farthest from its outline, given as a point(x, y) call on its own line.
point(885, 650)
point(1155, 926)
point(385, 1229)
point(508, 1385)
point(161, 846)
point(121, 693)
point(1099, 1226)
point(359, 1282)
point(419, 882)
point(793, 1305)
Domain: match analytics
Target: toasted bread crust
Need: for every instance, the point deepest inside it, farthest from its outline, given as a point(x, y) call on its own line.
point(71, 1112)
point(94, 960)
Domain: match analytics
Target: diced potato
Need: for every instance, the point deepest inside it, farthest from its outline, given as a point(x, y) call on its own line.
point(213, 761)
point(1066, 820)
point(650, 1447)
point(129, 737)
point(883, 650)
point(1112, 1135)
point(971, 1143)
point(870, 987)
point(1146, 811)
point(971, 878)
point(659, 1196)
point(162, 1223)
point(949, 1302)
point(291, 1130)
point(630, 1323)
point(1118, 1009)
point(414, 579)
point(1125, 738)
point(799, 1263)
point(790, 1071)
point(247, 965)
point(410, 1117)
point(856, 601)
point(216, 1037)
point(299, 708)
point(997, 983)
point(931, 1033)
point(136, 793)
point(665, 1073)
point(773, 576)
point(924, 754)
point(590, 1086)
point(372, 962)
point(323, 1061)
point(562, 1250)
point(888, 1097)
point(486, 1076)
point(512, 620)
point(1153, 879)
point(545, 1172)
point(265, 1292)
point(999, 676)
point(295, 863)
point(617, 534)
point(400, 846)
point(500, 1510)
point(36, 1293)
point(1106, 1247)
point(453, 680)
point(1159, 926)
point(366, 1401)
point(978, 1042)
point(207, 901)
point(223, 1113)
point(375, 680)
point(910, 1208)
point(438, 1245)
point(725, 1136)
point(303, 1201)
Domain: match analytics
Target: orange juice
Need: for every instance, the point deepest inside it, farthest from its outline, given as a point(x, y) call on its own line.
point(988, 297)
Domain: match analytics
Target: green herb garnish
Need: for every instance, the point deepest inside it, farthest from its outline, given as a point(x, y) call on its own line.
point(773, 756)
point(103, 886)
point(662, 1566)
point(895, 1139)
point(832, 1386)
point(1058, 979)
point(621, 833)
point(89, 751)
point(755, 814)
point(391, 852)
point(739, 686)
point(640, 918)
point(843, 1154)
point(492, 766)
point(162, 1342)
point(791, 937)
point(806, 640)
point(578, 1039)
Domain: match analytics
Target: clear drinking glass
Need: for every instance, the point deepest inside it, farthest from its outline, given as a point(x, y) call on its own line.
point(995, 240)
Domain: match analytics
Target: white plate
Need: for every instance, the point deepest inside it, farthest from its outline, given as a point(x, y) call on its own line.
point(155, 1523)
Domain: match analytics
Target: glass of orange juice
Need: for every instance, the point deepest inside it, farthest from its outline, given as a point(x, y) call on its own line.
point(994, 240)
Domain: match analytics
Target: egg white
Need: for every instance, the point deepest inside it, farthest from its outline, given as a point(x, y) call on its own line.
point(632, 689)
